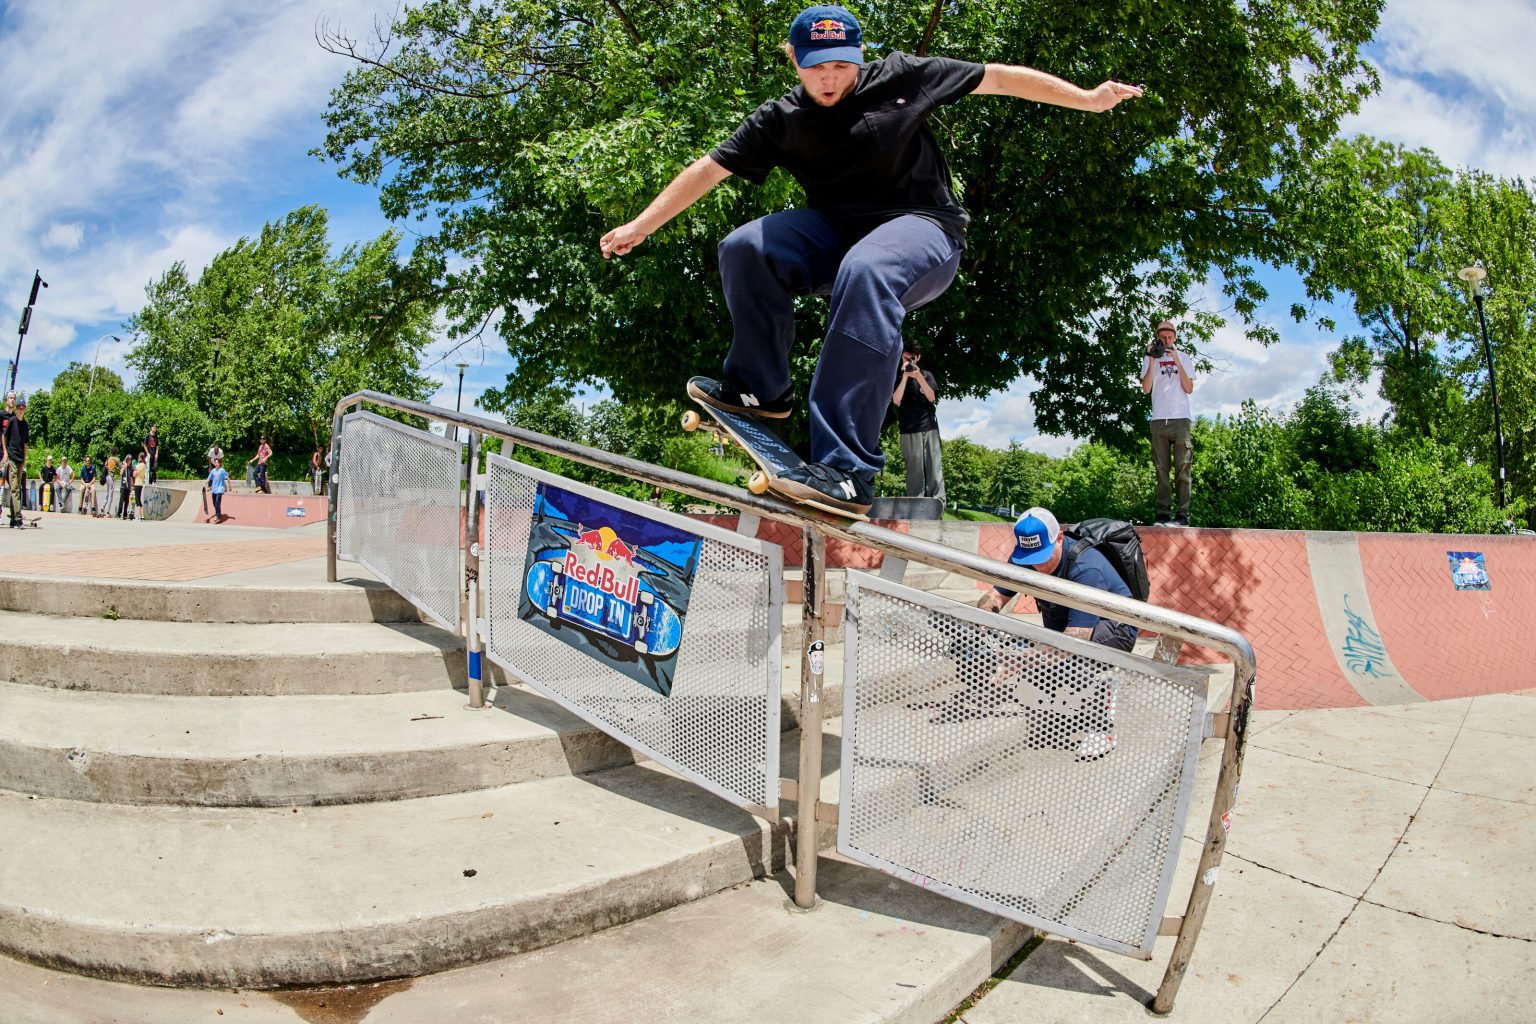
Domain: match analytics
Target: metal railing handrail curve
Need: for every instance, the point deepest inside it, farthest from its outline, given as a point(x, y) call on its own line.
point(817, 528)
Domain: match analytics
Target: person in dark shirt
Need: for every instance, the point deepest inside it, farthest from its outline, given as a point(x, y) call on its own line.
point(45, 495)
point(152, 450)
point(918, 420)
point(16, 436)
point(881, 233)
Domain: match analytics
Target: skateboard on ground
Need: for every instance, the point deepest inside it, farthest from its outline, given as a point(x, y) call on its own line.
point(772, 456)
point(650, 626)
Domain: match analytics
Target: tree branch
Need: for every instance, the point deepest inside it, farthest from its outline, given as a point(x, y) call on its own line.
point(629, 26)
point(933, 27)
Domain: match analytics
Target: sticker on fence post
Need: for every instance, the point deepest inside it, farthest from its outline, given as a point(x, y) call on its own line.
point(818, 657)
point(611, 584)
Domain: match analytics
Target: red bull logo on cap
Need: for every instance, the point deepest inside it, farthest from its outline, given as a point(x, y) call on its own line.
point(824, 29)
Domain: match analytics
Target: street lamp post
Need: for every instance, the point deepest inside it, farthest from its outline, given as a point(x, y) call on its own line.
point(96, 359)
point(1474, 277)
point(26, 321)
point(459, 401)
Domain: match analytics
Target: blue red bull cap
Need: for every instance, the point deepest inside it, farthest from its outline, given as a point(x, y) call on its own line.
point(826, 33)
point(1034, 537)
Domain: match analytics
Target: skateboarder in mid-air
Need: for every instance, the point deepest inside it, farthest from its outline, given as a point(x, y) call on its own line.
point(881, 234)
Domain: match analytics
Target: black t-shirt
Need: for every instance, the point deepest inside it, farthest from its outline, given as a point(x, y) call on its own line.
point(870, 157)
point(915, 413)
point(47, 474)
point(17, 433)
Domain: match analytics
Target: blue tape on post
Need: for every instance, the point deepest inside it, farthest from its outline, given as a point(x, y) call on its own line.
point(474, 664)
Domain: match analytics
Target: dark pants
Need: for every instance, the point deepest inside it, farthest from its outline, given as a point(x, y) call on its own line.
point(122, 512)
point(261, 478)
point(1170, 443)
point(873, 282)
point(218, 504)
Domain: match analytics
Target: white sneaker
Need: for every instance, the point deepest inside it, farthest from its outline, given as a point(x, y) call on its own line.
point(1096, 745)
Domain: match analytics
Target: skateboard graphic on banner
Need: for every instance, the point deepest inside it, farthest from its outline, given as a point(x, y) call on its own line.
point(766, 448)
point(647, 624)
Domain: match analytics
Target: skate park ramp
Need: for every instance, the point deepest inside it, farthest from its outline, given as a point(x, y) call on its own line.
point(283, 511)
point(1352, 619)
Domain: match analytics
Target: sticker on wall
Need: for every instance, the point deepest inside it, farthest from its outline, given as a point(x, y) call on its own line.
point(1467, 570)
point(609, 583)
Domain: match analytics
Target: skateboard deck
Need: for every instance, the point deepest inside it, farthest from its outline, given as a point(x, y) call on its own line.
point(772, 456)
point(651, 626)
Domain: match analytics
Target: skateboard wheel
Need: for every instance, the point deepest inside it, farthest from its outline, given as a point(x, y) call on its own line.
point(640, 647)
point(758, 483)
point(646, 597)
point(690, 420)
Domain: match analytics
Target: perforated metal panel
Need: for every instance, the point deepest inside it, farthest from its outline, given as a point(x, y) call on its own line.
point(719, 725)
point(1012, 768)
point(399, 510)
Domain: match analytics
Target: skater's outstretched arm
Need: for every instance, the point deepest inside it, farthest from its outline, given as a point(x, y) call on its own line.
point(685, 190)
point(1028, 84)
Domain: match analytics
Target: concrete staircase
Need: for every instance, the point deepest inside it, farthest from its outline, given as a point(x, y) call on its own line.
point(206, 789)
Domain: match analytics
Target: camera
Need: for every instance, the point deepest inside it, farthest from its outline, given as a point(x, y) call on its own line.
point(1157, 349)
point(908, 365)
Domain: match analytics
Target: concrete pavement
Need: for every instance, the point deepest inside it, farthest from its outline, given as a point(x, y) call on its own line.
point(1378, 869)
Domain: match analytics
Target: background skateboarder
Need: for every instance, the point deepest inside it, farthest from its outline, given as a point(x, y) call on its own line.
point(881, 233)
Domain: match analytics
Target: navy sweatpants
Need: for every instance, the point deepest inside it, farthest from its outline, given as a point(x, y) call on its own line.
point(873, 281)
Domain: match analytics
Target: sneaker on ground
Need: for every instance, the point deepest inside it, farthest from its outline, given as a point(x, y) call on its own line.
point(1181, 521)
point(825, 485)
point(729, 395)
point(1096, 745)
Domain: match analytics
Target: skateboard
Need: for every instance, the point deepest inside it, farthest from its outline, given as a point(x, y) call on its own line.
point(772, 456)
point(649, 625)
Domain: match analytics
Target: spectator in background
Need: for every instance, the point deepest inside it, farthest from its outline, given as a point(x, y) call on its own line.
point(62, 480)
point(914, 398)
point(215, 455)
point(87, 487)
point(152, 452)
point(1165, 377)
point(317, 468)
point(13, 444)
point(125, 488)
point(263, 453)
point(109, 484)
point(140, 474)
point(45, 490)
point(218, 483)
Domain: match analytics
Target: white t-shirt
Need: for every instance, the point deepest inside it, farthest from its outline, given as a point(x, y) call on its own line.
point(1169, 402)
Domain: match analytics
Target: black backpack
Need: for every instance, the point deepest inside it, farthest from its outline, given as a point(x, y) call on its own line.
point(1118, 542)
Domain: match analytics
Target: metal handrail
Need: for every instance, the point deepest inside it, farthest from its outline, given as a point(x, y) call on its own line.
point(819, 526)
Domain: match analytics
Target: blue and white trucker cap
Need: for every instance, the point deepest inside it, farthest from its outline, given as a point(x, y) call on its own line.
point(1034, 537)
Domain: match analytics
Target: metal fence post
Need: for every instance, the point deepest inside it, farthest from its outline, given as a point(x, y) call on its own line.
point(331, 516)
point(812, 665)
point(469, 604)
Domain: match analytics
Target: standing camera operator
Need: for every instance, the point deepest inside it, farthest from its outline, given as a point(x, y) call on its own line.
point(916, 392)
point(1165, 377)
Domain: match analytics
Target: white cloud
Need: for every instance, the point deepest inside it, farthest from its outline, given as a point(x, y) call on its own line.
point(1456, 79)
point(64, 237)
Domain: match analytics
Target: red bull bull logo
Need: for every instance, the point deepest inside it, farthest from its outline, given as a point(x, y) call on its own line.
point(607, 545)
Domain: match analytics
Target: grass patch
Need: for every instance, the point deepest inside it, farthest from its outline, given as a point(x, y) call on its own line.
point(992, 982)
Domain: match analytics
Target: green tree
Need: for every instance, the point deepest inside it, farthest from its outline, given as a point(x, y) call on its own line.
point(526, 128)
point(276, 329)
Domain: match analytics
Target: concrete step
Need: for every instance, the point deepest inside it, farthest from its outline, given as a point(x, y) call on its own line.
point(353, 601)
point(213, 659)
point(875, 951)
point(264, 898)
point(285, 751)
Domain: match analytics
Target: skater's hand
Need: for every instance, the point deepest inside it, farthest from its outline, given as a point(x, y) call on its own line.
point(1109, 94)
point(621, 239)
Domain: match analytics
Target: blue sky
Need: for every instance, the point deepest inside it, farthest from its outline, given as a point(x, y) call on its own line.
point(137, 133)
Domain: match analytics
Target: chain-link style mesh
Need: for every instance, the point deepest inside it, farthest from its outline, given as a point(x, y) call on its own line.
point(1013, 768)
point(399, 510)
point(719, 726)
